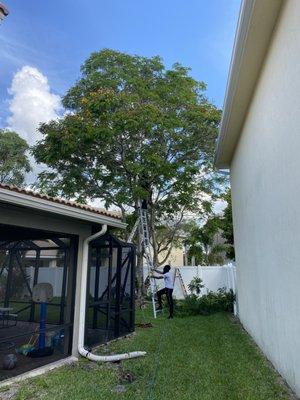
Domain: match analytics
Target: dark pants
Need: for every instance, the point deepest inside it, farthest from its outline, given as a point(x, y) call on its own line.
point(168, 293)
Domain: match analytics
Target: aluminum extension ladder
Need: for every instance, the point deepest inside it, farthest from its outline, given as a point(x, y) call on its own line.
point(178, 273)
point(141, 225)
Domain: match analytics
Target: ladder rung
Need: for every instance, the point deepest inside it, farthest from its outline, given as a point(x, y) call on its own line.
point(145, 240)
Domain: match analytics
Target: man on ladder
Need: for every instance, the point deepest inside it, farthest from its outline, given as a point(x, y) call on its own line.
point(141, 226)
point(168, 289)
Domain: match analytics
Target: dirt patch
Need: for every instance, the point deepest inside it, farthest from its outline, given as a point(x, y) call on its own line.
point(119, 389)
point(10, 393)
point(144, 325)
point(125, 376)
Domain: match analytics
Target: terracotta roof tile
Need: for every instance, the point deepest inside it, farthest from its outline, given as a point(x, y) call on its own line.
point(69, 203)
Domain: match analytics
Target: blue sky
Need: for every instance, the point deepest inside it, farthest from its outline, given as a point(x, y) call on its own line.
point(55, 36)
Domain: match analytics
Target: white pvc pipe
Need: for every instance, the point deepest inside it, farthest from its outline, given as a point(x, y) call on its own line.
point(82, 309)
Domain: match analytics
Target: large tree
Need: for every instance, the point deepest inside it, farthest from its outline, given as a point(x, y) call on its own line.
point(133, 130)
point(14, 162)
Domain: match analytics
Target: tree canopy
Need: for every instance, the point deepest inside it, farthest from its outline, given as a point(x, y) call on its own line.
point(213, 240)
point(133, 130)
point(14, 162)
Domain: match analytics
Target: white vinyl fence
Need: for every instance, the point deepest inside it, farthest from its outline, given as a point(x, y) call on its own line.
point(54, 276)
point(213, 277)
point(50, 275)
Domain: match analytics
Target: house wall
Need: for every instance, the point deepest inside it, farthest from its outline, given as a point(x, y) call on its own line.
point(265, 177)
point(175, 258)
point(15, 215)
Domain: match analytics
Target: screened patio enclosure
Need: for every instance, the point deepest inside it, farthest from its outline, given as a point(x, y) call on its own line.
point(111, 283)
point(42, 244)
point(29, 257)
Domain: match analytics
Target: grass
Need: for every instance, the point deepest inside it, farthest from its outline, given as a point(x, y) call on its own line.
point(191, 358)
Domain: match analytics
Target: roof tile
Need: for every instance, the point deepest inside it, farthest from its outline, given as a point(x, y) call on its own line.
point(70, 203)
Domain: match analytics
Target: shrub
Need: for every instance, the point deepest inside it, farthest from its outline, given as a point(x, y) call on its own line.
point(208, 304)
point(196, 285)
point(189, 306)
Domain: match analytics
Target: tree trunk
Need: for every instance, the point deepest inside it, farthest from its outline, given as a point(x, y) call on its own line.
point(153, 238)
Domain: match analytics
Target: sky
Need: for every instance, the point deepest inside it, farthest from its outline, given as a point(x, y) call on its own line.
point(44, 43)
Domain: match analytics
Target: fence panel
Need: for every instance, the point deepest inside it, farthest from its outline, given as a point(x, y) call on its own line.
point(213, 277)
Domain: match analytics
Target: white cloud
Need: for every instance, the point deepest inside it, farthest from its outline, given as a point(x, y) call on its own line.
point(32, 103)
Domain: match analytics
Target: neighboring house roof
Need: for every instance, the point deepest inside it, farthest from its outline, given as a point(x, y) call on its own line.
point(31, 199)
point(255, 27)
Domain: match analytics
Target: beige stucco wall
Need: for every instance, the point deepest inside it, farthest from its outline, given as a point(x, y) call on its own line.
point(265, 176)
point(175, 257)
point(19, 216)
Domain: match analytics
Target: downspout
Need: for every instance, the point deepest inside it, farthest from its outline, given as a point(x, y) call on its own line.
point(82, 309)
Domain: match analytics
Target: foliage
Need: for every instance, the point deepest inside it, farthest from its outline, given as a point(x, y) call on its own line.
point(203, 244)
point(227, 227)
point(196, 285)
point(14, 163)
point(168, 235)
point(209, 243)
point(19, 286)
point(2, 286)
point(207, 304)
point(133, 130)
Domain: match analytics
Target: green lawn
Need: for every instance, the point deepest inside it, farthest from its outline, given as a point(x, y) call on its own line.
point(192, 358)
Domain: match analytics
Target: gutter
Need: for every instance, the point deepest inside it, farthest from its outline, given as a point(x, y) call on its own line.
point(245, 16)
point(241, 35)
point(82, 310)
point(256, 24)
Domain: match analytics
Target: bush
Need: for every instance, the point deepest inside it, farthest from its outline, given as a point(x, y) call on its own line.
point(189, 306)
point(208, 304)
point(196, 285)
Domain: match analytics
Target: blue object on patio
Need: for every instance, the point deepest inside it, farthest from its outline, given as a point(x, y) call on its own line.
point(42, 294)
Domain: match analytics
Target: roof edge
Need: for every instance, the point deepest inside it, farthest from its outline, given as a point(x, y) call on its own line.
point(256, 23)
point(40, 204)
